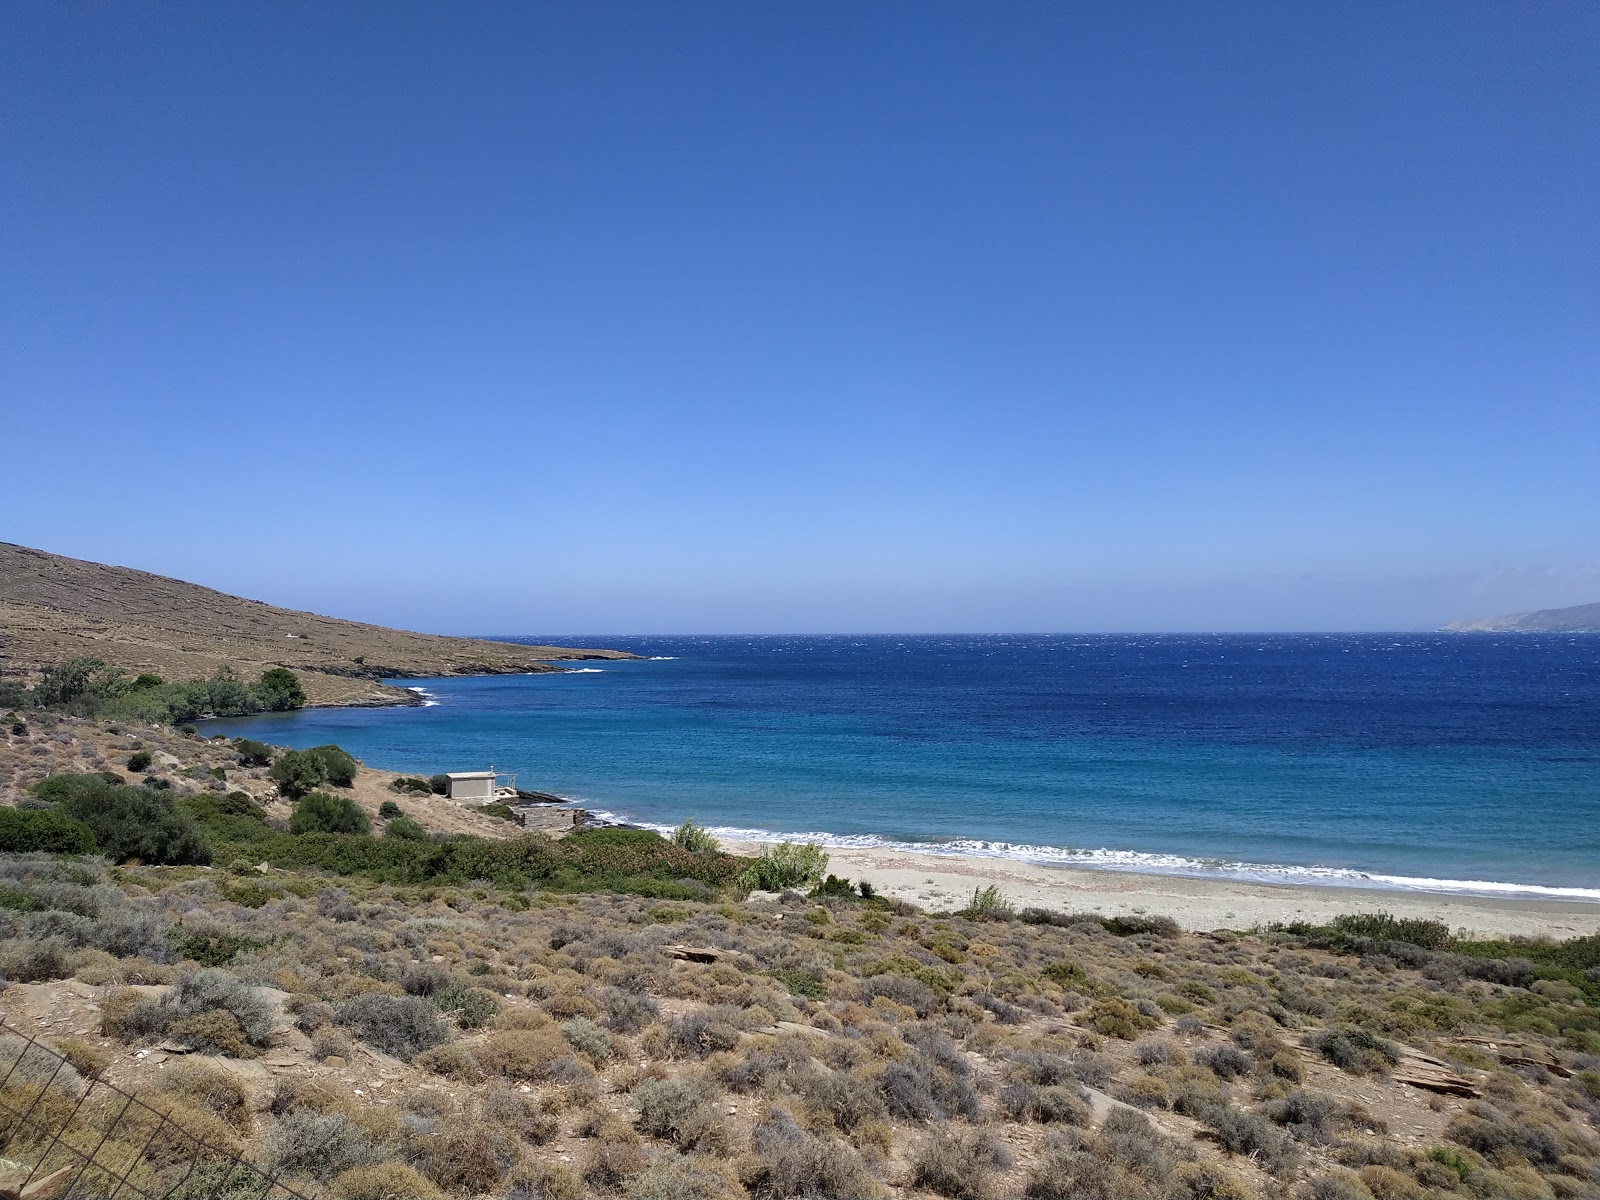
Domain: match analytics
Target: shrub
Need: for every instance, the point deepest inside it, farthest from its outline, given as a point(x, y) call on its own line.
point(1354, 1050)
point(1115, 1017)
point(139, 760)
point(464, 1158)
point(212, 989)
point(388, 810)
point(789, 1162)
point(131, 1016)
point(987, 904)
point(252, 753)
point(319, 1145)
point(587, 1038)
point(1240, 1132)
point(88, 1059)
point(785, 865)
point(676, 1109)
point(218, 1092)
point(405, 829)
point(1046, 1105)
point(439, 785)
point(27, 830)
point(383, 1181)
point(958, 1165)
point(322, 812)
point(212, 1032)
point(523, 1055)
point(338, 767)
point(410, 785)
point(128, 822)
point(399, 1025)
point(297, 772)
point(502, 1108)
point(694, 839)
point(702, 1033)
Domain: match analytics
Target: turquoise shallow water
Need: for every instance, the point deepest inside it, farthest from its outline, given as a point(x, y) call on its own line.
point(1456, 763)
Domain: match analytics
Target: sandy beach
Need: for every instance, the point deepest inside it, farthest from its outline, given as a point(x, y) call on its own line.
point(938, 881)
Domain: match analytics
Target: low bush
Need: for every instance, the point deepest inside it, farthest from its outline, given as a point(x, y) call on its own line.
point(678, 1110)
point(410, 785)
point(785, 865)
point(28, 830)
point(389, 810)
point(405, 829)
point(403, 1026)
point(1240, 1132)
point(320, 1145)
point(1354, 1050)
point(322, 812)
point(139, 761)
point(959, 1165)
point(383, 1181)
point(786, 1161)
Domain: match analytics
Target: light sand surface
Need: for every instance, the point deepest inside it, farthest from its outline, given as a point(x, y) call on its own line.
point(939, 881)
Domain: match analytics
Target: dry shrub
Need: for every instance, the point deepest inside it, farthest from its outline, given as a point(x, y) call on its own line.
point(465, 1158)
point(1386, 1183)
point(523, 1116)
point(522, 1018)
point(214, 1031)
point(786, 1161)
point(1046, 1105)
point(680, 1110)
point(568, 1004)
point(531, 1180)
point(131, 1016)
point(383, 1181)
point(682, 1179)
point(320, 1145)
point(700, 1034)
point(613, 1162)
point(524, 1055)
point(959, 1165)
point(177, 1141)
point(1208, 1181)
point(451, 1061)
point(216, 1091)
point(1240, 1132)
point(1133, 1143)
point(403, 1026)
point(87, 1059)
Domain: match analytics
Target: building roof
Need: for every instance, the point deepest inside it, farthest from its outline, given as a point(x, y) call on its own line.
point(469, 774)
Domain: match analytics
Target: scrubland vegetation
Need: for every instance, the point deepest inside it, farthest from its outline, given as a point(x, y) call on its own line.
point(89, 687)
point(614, 1014)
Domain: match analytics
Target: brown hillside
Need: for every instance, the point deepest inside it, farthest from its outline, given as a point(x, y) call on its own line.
point(54, 608)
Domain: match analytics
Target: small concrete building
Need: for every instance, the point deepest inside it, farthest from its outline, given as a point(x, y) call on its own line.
point(472, 787)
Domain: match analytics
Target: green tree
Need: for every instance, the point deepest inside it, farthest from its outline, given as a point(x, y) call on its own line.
point(694, 838)
point(128, 822)
point(297, 772)
point(338, 768)
point(252, 753)
point(405, 829)
point(321, 812)
point(228, 696)
point(279, 690)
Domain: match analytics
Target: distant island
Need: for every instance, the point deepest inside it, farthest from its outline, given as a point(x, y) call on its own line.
point(54, 609)
point(1580, 618)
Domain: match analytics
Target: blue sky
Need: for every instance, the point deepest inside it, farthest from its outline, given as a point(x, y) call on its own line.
point(822, 317)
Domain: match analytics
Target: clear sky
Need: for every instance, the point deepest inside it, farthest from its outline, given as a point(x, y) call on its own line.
point(810, 317)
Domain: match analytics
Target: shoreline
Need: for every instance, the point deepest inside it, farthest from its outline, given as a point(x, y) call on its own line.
point(946, 881)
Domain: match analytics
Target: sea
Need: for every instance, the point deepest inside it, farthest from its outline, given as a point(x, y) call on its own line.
point(1423, 762)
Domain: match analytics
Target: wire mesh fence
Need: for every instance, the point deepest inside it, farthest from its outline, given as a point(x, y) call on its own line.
point(67, 1137)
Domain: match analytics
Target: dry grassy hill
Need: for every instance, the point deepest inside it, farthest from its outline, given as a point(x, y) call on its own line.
point(54, 608)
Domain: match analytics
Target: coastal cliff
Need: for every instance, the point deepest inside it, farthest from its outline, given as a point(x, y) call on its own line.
point(54, 608)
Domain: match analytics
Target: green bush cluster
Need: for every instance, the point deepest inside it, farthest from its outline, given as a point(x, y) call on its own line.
point(126, 822)
point(298, 772)
point(321, 812)
point(89, 687)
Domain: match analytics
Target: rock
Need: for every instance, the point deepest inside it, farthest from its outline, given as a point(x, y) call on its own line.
point(702, 954)
point(333, 1060)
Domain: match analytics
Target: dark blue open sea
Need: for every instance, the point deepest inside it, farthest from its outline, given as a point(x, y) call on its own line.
point(1441, 762)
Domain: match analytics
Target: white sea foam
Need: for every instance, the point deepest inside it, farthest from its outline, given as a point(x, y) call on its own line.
point(662, 658)
point(427, 697)
point(585, 671)
point(1142, 862)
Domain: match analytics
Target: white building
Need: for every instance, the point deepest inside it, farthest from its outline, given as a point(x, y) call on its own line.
point(480, 787)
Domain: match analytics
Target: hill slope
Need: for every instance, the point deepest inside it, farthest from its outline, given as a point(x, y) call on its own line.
point(54, 608)
point(1580, 618)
